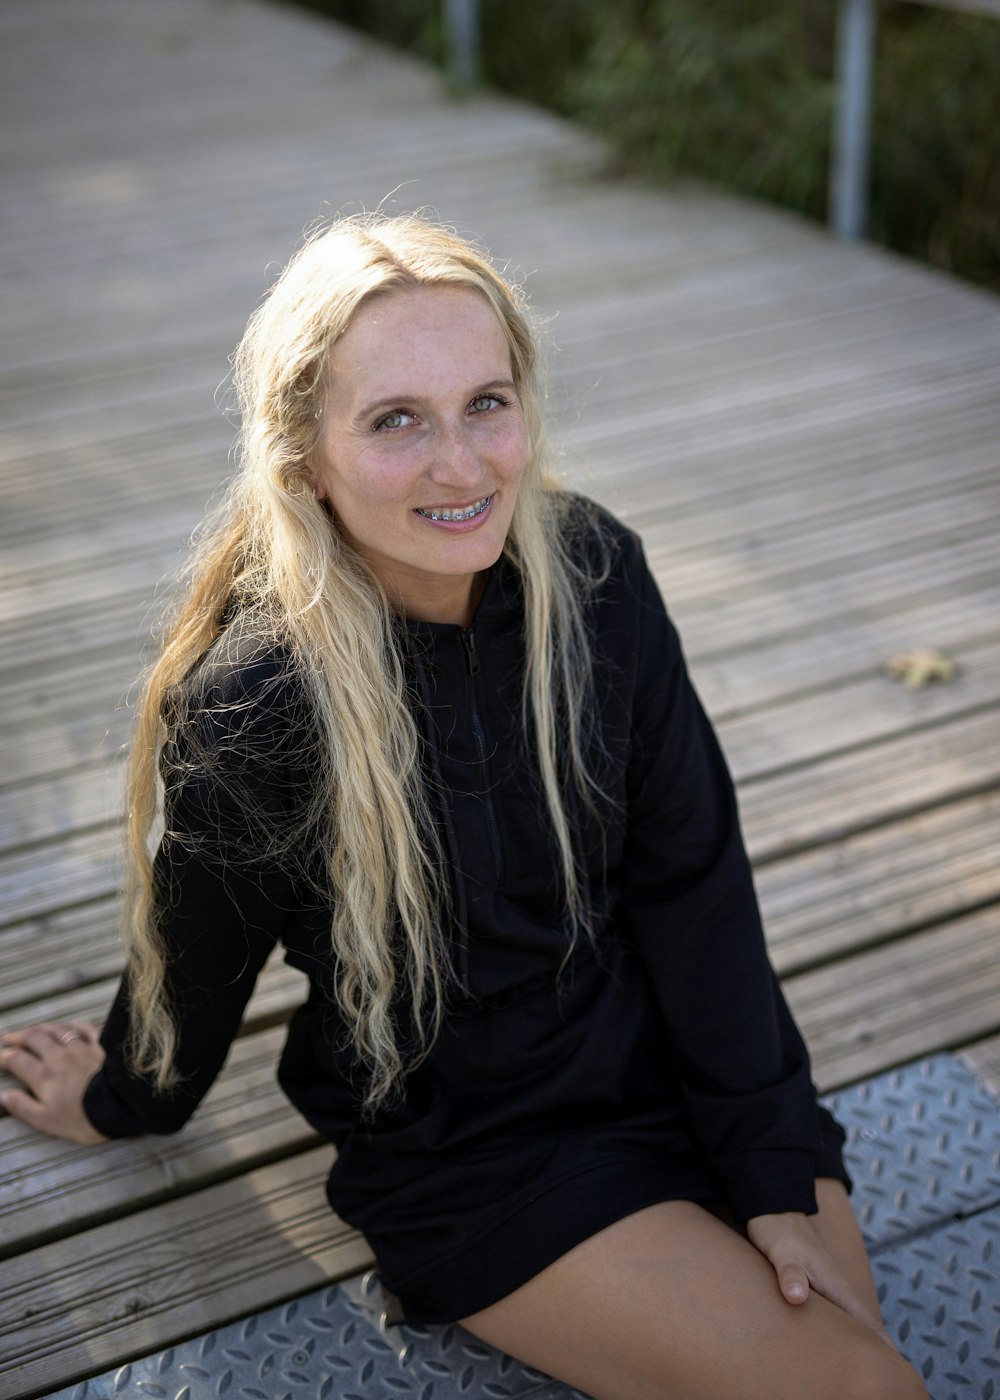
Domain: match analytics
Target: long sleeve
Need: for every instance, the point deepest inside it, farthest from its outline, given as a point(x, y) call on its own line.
point(690, 904)
point(221, 908)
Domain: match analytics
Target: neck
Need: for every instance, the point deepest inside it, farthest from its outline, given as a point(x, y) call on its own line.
point(451, 601)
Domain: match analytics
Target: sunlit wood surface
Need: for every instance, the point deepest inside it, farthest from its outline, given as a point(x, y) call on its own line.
point(805, 433)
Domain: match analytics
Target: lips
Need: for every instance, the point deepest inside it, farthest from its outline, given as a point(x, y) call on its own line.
point(467, 512)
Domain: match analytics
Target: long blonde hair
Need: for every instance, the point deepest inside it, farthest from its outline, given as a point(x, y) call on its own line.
point(273, 555)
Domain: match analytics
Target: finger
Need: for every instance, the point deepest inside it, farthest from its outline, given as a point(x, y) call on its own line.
point(23, 1065)
point(44, 1039)
point(794, 1283)
point(37, 1039)
point(65, 1034)
point(86, 1030)
point(70, 1124)
point(21, 1105)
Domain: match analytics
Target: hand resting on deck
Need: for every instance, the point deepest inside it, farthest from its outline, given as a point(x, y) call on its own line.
point(55, 1062)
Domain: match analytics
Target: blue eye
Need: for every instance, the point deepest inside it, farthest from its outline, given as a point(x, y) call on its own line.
point(392, 421)
point(484, 403)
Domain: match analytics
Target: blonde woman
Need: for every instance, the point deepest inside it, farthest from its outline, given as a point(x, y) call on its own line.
point(422, 719)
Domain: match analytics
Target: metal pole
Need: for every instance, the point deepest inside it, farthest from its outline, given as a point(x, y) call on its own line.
point(851, 138)
point(461, 22)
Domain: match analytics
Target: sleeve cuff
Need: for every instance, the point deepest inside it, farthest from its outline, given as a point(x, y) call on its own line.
point(108, 1112)
point(830, 1160)
point(770, 1183)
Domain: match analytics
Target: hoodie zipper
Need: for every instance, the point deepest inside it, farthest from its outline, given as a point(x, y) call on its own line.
point(461, 942)
point(478, 733)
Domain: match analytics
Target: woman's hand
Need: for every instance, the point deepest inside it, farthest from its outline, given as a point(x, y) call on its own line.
point(802, 1262)
point(55, 1063)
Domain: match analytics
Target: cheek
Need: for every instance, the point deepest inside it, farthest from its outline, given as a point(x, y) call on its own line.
point(373, 478)
point(512, 450)
point(383, 485)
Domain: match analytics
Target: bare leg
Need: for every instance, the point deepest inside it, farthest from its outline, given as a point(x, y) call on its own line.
point(672, 1304)
point(838, 1229)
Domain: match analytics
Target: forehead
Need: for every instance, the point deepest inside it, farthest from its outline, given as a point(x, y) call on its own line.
point(428, 333)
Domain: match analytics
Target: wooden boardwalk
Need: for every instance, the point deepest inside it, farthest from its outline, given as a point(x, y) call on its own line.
point(807, 435)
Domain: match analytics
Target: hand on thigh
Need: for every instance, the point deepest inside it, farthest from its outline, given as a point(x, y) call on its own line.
point(671, 1304)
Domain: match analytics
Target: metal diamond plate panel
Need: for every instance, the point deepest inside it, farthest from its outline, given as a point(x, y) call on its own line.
point(923, 1145)
point(941, 1300)
point(329, 1345)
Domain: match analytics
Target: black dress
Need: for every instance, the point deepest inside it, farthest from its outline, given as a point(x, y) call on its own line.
point(659, 1061)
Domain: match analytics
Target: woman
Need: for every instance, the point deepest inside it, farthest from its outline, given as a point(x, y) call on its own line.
point(421, 718)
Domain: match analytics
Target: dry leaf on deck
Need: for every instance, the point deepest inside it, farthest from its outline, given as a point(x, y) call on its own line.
point(920, 667)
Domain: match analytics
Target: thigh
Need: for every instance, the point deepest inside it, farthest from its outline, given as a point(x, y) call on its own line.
point(837, 1227)
point(672, 1304)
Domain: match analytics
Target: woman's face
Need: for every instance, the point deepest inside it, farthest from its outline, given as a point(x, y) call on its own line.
point(422, 445)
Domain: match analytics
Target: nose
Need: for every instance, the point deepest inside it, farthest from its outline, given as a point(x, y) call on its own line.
point(455, 459)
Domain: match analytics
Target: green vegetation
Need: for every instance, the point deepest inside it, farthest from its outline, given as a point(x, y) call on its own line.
point(741, 92)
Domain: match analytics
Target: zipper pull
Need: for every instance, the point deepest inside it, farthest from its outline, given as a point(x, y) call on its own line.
point(469, 642)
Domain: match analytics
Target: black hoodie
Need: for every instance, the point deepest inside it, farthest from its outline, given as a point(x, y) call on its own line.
point(658, 1060)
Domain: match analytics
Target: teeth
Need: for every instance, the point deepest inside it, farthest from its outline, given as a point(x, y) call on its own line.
point(465, 513)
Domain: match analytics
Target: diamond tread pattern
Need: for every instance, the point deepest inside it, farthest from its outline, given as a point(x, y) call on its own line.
point(941, 1301)
point(923, 1145)
point(326, 1346)
point(924, 1149)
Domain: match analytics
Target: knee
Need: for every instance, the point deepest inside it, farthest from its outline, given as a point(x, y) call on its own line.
point(885, 1375)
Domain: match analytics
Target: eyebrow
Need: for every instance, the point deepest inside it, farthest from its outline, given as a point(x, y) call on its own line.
point(400, 400)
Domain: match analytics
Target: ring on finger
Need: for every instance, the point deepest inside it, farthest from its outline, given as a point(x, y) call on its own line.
point(67, 1036)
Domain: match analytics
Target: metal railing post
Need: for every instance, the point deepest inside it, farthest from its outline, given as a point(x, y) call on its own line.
point(851, 138)
point(461, 24)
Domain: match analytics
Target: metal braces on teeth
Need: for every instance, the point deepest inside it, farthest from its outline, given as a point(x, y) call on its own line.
point(476, 508)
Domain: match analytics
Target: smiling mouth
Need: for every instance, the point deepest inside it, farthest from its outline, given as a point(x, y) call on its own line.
point(455, 512)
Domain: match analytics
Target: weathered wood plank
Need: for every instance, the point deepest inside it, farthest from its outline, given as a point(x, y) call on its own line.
point(279, 990)
point(804, 756)
point(65, 745)
point(856, 714)
point(827, 903)
point(49, 1189)
point(932, 991)
point(734, 682)
point(842, 897)
point(76, 1307)
point(59, 952)
point(852, 792)
point(112, 607)
point(983, 1059)
point(51, 1186)
point(78, 869)
point(730, 684)
point(48, 807)
point(794, 610)
point(69, 587)
point(797, 605)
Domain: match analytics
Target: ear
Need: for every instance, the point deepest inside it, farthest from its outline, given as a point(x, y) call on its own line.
point(315, 485)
